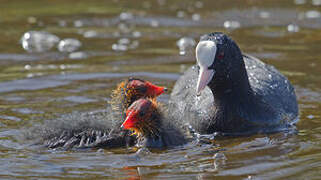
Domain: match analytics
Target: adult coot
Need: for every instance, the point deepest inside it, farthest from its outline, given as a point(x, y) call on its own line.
point(232, 93)
point(97, 129)
point(146, 118)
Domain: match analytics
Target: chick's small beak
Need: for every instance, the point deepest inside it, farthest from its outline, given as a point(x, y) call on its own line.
point(129, 122)
point(154, 90)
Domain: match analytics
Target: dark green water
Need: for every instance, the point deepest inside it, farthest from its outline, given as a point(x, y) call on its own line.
point(39, 86)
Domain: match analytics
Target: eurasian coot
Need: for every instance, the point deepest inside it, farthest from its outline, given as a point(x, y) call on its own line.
point(232, 93)
point(146, 119)
point(97, 129)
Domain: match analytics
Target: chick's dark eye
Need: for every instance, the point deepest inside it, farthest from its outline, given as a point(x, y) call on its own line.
point(141, 114)
point(141, 89)
point(220, 55)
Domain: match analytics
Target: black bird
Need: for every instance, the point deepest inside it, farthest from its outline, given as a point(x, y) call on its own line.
point(232, 93)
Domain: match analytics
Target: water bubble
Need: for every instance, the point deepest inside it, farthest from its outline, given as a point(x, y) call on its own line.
point(299, 2)
point(115, 68)
point(293, 28)
point(312, 14)
point(52, 66)
point(196, 17)
point(264, 14)
point(62, 66)
point(185, 43)
point(119, 47)
point(32, 20)
point(180, 14)
point(78, 23)
point(310, 116)
point(232, 24)
point(69, 45)
point(27, 67)
point(124, 41)
point(154, 23)
point(126, 16)
point(29, 75)
point(316, 2)
point(38, 41)
point(78, 55)
point(270, 76)
point(90, 34)
point(137, 34)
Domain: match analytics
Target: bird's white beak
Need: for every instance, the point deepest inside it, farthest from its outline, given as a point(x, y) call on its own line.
point(204, 77)
point(205, 54)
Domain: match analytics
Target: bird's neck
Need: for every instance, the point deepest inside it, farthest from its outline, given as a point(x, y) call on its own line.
point(231, 97)
point(231, 89)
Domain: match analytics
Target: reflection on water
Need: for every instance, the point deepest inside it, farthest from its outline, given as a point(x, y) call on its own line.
point(74, 54)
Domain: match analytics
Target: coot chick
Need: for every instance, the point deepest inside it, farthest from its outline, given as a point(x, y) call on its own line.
point(146, 119)
point(232, 93)
point(99, 129)
point(131, 90)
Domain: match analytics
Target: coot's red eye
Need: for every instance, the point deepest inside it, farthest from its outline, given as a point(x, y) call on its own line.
point(220, 55)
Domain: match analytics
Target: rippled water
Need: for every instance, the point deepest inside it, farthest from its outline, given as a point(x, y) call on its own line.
point(119, 39)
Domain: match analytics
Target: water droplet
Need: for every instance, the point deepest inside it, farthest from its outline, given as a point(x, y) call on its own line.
point(310, 116)
point(316, 2)
point(270, 76)
point(232, 24)
point(137, 34)
point(299, 2)
point(124, 41)
point(154, 23)
point(27, 67)
point(125, 16)
point(78, 23)
point(264, 14)
point(78, 55)
point(312, 14)
point(184, 44)
point(119, 47)
point(32, 20)
point(293, 28)
point(196, 17)
point(90, 34)
point(38, 41)
point(69, 45)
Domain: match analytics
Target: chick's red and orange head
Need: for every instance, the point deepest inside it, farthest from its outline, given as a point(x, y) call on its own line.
point(140, 117)
point(144, 88)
